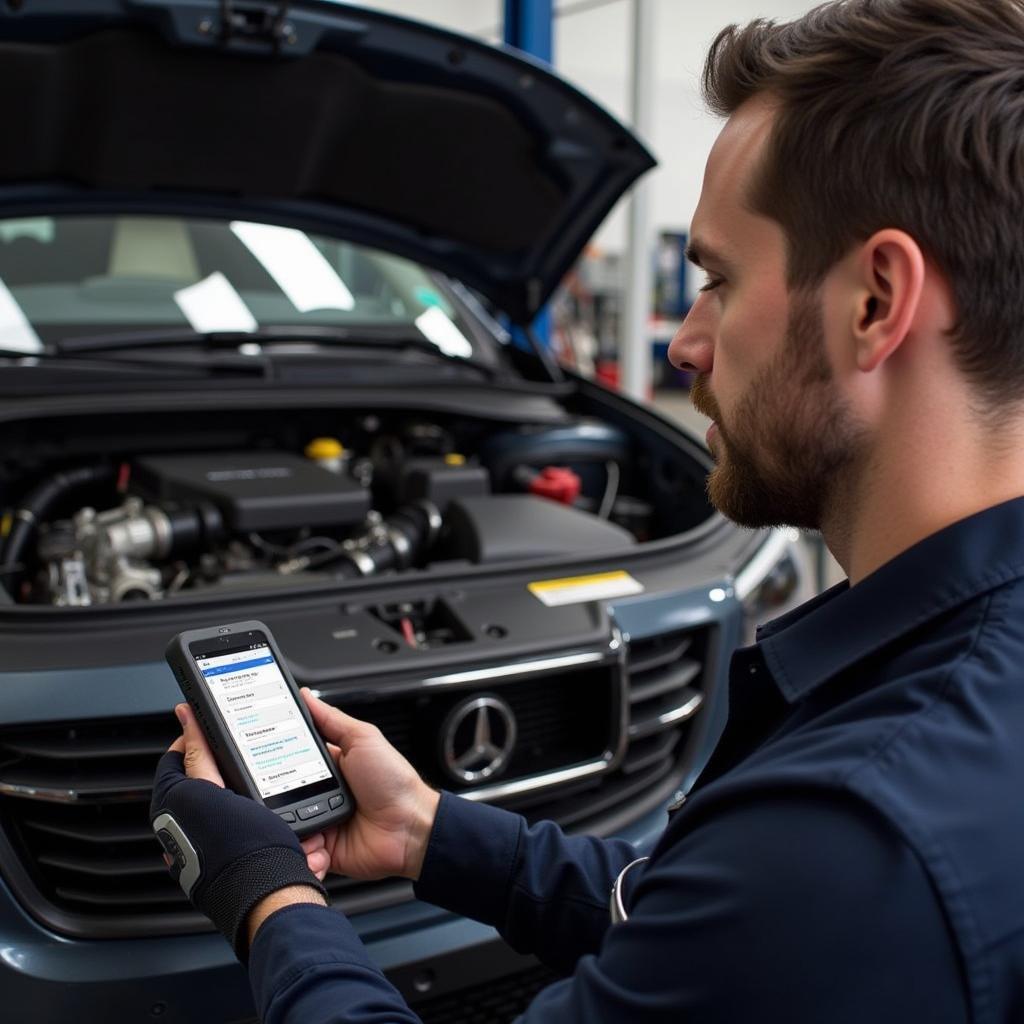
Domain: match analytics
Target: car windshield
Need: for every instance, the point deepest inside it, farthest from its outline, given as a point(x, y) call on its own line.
point(69, 276)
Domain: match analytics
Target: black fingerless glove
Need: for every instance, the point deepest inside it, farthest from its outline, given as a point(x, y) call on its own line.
point(227, 851)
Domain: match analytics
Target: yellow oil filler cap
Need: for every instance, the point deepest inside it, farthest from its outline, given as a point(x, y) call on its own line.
point(454, 459)
point(328, 453)
point(324, 448)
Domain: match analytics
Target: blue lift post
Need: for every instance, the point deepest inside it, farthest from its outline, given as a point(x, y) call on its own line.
point(528, 27)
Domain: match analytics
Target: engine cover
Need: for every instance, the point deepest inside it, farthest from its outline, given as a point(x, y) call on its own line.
point(506, 527)
point(257, 490)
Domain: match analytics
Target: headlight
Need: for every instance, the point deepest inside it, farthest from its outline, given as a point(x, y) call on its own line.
point(779, 577)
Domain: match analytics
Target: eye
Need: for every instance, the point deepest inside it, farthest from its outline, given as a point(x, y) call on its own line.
point(711, 284)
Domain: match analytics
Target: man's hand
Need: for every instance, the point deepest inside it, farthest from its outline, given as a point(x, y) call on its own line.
point(395, 808)
point(232, 854)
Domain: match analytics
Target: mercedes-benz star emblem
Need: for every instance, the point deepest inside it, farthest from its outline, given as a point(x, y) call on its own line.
point(478, 736)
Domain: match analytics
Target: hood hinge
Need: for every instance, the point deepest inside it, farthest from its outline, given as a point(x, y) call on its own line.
point(253, 23)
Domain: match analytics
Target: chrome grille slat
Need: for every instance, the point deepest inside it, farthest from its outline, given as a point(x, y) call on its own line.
point(618, 791)
point(647, 751)
point(92, 749)
point(50, 784)
point(112, 867)
point(171, 897)
point(675, 677)
point(682, 707)
point(97, 834)
point(651, 653)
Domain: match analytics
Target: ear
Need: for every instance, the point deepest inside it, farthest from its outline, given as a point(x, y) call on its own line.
point(891, 273)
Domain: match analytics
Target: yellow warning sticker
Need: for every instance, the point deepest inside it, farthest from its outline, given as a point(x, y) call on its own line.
point(574, 589)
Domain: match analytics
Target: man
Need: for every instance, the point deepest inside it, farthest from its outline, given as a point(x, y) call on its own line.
point(855, 849)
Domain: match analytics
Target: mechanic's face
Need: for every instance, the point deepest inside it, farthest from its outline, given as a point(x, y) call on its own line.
point(782, 430)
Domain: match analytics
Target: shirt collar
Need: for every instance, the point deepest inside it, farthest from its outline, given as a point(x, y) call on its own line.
point(836, 629)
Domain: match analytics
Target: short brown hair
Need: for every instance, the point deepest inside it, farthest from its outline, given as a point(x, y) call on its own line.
point(901, 114)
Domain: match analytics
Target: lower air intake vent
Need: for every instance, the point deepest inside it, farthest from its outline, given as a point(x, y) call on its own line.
point(497, 1002)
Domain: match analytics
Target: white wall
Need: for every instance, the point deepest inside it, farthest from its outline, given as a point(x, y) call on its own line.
point(592, 43)
point(593, 50)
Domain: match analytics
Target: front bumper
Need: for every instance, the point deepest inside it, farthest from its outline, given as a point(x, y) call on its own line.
point(425, 951)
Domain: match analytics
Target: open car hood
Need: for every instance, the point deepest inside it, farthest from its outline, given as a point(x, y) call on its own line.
point(333, 119)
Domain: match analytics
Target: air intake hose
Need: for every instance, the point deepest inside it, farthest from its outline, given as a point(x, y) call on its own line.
point(38, 503)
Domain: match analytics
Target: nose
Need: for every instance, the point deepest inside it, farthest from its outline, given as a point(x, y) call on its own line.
point(692, 347)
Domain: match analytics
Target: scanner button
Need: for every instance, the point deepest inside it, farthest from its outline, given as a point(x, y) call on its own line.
point(288, 816)
point(336, 801)
point(312, 810)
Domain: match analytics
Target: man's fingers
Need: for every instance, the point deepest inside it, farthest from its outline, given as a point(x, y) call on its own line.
point(318, 862)
point(199, 762)
point(341, 729)
point(313, 842)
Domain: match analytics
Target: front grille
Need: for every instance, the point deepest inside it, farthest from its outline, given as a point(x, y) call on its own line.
point(90, 866)
point(556, 724)
point(667, 682)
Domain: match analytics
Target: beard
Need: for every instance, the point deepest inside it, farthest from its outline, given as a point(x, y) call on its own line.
point(791, 441)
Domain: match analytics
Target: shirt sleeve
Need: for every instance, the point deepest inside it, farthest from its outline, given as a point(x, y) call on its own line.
point(796, 907)
point(307, 965)
point(547, 893)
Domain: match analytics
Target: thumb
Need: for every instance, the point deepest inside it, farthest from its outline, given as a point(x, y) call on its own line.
point(199, 761)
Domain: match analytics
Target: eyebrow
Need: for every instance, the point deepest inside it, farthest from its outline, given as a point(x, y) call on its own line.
point(700, 254)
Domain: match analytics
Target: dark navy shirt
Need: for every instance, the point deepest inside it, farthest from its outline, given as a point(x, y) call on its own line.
point(854, 851)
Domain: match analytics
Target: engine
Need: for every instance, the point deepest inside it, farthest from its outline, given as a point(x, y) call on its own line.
point(157, 525)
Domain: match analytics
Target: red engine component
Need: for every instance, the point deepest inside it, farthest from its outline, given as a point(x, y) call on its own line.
point(557, 483)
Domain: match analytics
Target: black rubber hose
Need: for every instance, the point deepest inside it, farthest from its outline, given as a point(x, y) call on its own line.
point(346, 569)
point(193, 529)
point(38, 503)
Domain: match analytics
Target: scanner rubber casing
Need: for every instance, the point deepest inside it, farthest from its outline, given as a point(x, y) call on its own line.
point(228, 757)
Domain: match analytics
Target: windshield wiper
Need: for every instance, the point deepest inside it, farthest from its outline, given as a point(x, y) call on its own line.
point(368, 337)
point(138, 365)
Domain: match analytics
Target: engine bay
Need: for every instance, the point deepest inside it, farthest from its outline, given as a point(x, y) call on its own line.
point(271, 508)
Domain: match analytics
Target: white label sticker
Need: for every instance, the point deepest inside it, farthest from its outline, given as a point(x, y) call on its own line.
point(574, 589)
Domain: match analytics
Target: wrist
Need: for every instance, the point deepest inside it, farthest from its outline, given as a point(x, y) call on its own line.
point(419, 832)
point(286, 897)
